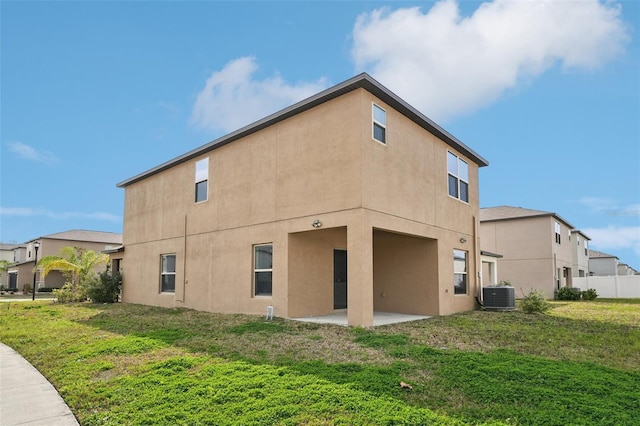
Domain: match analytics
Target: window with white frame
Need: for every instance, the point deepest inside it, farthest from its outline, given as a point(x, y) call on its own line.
point(262, 269)
point(556, 227)
point(202, 180)
point(458, 173)
point(460, 272)
point(379, 124)
point(168, 273)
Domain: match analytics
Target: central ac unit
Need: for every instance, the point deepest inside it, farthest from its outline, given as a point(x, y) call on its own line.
point(499, 298)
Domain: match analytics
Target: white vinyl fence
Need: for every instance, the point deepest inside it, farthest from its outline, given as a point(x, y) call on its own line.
point(612, 287)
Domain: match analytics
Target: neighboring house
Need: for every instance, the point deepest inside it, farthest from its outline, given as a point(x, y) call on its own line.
point(602, 264)
point(7, 253)
point(489, 270)
point(50, 245)
point(536, 247)
point(624, 269)
point(348, 200)
point(580, 243)
point(116, 258)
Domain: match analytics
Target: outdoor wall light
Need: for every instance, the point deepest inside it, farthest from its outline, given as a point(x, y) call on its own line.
point(316, 224)
point(462, 240)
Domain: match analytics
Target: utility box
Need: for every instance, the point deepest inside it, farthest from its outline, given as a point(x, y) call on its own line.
point(499, 298)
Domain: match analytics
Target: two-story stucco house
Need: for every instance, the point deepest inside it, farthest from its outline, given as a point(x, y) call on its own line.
point(7, 254)
point(538, 248)
point(349, 200)
point(603, 264)
point(580, 243)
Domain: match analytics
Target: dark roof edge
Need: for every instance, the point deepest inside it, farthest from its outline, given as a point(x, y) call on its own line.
point(362, 80)
point(532, 216)
point(118, 249)
point(581, 233)
point(489, 254)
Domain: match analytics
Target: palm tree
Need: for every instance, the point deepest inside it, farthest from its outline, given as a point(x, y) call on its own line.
point(4, 265)
point(77, 262)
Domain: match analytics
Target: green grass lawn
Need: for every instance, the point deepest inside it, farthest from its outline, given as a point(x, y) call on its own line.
point(132, 364)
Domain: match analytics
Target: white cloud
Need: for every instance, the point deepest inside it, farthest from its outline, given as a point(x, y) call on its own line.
point(29, 153)
point(446, 65)
point(233, 98)
point(31, 212)
point(609, 207)
point(615, 237)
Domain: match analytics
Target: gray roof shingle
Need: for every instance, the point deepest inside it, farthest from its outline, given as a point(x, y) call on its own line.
point(491, 214)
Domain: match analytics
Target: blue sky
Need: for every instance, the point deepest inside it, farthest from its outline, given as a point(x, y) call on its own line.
point(93, 93)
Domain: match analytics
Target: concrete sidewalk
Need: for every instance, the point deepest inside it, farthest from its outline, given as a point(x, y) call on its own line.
point(26, 397)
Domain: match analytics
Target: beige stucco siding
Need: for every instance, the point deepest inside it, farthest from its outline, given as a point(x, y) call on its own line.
point(318, 159)
point(311, 282)
point(407, 177)
point(405, 274)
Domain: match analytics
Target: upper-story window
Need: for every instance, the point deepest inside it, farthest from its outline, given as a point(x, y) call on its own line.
point(379, 124)
point(202, 179)
point(458, 171)
point(556, 226)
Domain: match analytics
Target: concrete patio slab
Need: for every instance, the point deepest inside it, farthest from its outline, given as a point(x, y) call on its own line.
point(379, 318)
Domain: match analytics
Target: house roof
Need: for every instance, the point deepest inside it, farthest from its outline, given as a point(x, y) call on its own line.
point(594, 254)
point(84, 235)
point(116, 249)
point(5, 246)
point(577, 231)
point(493, 214)
point(364, 81)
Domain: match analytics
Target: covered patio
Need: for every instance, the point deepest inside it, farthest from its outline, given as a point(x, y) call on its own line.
point(369, 277)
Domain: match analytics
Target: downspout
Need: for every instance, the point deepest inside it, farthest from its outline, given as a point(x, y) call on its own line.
point(478, 261)
point(556, 278)
point(184, 260)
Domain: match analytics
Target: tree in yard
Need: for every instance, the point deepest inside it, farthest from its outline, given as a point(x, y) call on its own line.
point(4, 267)
point(77, 263)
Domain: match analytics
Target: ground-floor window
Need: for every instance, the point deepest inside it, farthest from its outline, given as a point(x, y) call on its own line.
point(168, 273)
point(460, 272)
point(263, 269)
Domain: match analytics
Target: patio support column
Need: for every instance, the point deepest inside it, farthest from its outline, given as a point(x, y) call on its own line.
point(360, 273)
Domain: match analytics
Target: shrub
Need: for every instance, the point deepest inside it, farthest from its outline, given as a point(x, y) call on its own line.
point(535, 302)
point(27, 288)
point(105, 287)
point(504, 283)
point(567, 293)
point(589, 294)
point(46, 289)
point(67, 294)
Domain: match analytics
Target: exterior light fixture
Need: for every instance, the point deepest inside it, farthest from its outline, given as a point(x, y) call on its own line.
point(316, 224)
point(462, 240)
point(36, 246)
